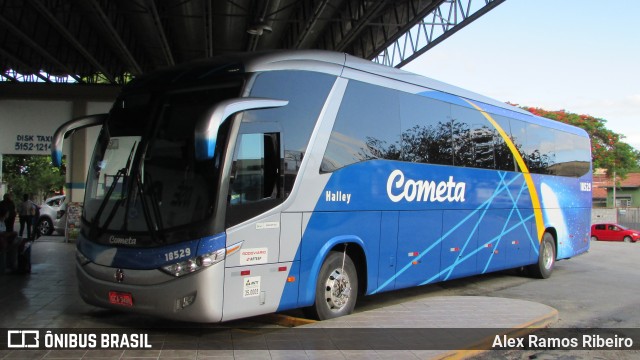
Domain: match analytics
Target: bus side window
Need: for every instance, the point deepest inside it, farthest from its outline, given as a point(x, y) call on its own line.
point(504, 157)
point(255, 184)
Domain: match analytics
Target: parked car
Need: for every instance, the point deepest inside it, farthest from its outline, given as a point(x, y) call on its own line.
point(613, 232)
point(52, 216)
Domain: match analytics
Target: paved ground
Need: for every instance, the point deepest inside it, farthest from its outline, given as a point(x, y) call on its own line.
point(47, 299)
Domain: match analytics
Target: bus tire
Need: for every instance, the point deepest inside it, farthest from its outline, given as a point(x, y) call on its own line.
point(337, 287)
point(546, 258)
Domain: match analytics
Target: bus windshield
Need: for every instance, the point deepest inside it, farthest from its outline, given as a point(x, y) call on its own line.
point(144, 176)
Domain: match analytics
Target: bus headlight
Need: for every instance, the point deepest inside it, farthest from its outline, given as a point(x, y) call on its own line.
point(194, 264)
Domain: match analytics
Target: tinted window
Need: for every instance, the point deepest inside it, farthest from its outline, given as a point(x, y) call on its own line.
point(540, 149)
point(546, 150)
point(519, 138)
point(435, 132)
point(306, 92)
point(55, 202)
point(255, 184)
point(463, 120)
point(476, 141)
point(254, 176)
point(502, 154)
point(367, 127)
point(426, 130)
point(573, 155)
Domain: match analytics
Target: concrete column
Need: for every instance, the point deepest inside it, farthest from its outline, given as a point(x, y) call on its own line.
point(76, 159)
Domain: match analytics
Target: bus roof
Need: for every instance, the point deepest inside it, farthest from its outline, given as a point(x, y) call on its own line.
point(335, 63)
point(332, 63)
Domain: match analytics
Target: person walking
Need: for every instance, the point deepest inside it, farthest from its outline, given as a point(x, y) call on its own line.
point(7, 244)
point(34, 218)
point(8, 204)
point(26, 210)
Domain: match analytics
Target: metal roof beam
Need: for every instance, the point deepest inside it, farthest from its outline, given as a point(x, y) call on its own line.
point(112, 40)
point(208, 28)
point(31, 43)
point(9, 77)
point(309, 21)
point(155, 16)
point(391, 25)
point(115, 37)
point(353, 19)
point(20, 63)
point(369, 11)
point(446, 19)
point(51, 19)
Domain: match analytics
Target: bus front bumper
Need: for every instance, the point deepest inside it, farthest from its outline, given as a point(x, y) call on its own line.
point(194, 297)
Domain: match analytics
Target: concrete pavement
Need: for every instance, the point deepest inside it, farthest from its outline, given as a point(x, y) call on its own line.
point(429, 328)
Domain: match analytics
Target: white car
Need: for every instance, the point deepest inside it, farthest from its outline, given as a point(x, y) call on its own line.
point(52, 216)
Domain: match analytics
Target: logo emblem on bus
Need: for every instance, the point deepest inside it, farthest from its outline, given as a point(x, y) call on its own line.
point(423, 190)
point(119, 275)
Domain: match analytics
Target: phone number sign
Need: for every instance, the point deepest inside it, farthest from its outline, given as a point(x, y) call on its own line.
point(36, 144)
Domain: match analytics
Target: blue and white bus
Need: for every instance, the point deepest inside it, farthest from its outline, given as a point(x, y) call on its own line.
point(251, 184)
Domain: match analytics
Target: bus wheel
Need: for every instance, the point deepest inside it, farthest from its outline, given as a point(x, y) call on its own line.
point(546, 258)
point(337, 287)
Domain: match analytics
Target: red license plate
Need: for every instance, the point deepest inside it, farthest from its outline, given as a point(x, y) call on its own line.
point(121, 298)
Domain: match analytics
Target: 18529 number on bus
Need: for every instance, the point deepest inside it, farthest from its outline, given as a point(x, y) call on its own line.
point(177, 254)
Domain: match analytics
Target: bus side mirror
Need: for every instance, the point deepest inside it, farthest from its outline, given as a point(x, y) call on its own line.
point(206, 131)
point(66, 129)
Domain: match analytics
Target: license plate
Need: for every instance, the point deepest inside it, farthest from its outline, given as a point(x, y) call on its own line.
point(121, 298)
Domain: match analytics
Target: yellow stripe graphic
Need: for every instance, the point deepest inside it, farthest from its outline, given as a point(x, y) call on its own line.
point(533, 193)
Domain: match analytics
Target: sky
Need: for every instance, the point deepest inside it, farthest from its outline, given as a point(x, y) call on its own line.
point(582, 56)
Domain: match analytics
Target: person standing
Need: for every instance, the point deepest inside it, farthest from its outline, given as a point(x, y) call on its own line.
point(26, 210)
point(7, 244)
point(8, 204)
point(34, 218)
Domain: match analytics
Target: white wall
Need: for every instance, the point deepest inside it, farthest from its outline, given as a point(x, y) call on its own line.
point(602, 215)
point(27, 125)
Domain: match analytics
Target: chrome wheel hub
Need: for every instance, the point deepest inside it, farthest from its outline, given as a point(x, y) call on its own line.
point(337, 289)
point(547, 257)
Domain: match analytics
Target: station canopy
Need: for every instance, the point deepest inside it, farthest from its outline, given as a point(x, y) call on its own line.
point(110, 41)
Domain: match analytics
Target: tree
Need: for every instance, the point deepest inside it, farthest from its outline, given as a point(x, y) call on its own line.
point(607, 149)
point(31, 174)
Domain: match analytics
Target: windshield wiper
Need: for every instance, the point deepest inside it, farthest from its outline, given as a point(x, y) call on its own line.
point(155, 224)
point(107, 196)
point(154, 204)
point(121, 173)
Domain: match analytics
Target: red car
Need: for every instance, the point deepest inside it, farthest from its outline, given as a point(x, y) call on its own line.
point(613, 232)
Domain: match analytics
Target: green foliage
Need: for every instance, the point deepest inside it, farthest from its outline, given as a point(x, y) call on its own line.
point(607, 149)
point(100, 78)
point(31, 174)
